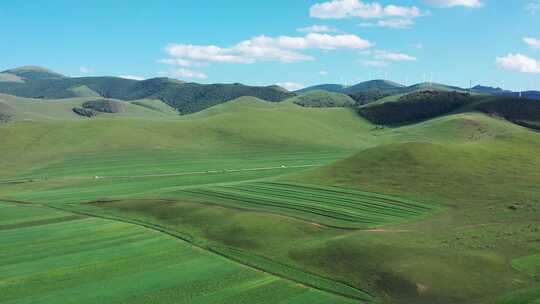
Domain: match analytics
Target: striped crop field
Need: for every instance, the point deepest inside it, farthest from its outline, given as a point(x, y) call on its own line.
point(330, 206)
point(49, 256)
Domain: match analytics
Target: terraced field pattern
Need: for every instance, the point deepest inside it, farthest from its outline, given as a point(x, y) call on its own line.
point(51, 256)
point(329, 206)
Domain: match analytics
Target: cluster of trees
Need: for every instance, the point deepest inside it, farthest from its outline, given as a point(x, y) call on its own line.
point(85, 112)
point(4, 117)
point(94, 107)
point(522, 111)
point(103, 106)
point(323, 99)
point(363, 98)
point(415, 107)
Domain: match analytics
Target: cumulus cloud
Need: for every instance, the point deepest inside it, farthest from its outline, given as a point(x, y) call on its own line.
point(520, 63)
point(184, 73)
point(323, 72)
point(85, 70)
point(176, 61)
point(535, 43)
point(132, 77)
point(282, 48)
point(390, 16)
point(338, 9)
point(454, 3)
point(396, 23)
point(385, 55)
point(390, 23)
point(317, 29)
point(291, 86)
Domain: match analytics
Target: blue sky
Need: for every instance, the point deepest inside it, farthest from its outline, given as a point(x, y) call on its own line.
point(294, 43)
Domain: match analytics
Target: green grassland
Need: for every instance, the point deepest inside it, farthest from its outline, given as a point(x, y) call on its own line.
point(55, 257)
point(433, 212)
point(529, 264)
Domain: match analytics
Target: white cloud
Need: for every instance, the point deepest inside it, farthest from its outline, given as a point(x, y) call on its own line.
point(282, 48)
point(85, 70)
point(323, 72)
point(390, 23)
point(184, 73)
point(533, 7)
point(520, 63)
point(204, 53)
point(535, 43)
point(317, 29)
point(132, 77)
point(373, 63)
point(401, 11)
point(417, 45)
point(291, 86)
point(338, 9)
point(396, 23)
point(453, 3)
point(384, 55)
point(176, 61)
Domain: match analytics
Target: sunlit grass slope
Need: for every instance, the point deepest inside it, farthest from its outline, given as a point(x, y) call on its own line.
point(484, 170)
point(234, 132)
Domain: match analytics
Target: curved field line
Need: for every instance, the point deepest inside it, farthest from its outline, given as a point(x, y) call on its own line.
point(335, 194)
point(276, 204)
point(340, 190)
point(357, 212)
point(351, 202)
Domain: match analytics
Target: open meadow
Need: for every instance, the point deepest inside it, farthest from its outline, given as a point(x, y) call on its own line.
point(321, 206)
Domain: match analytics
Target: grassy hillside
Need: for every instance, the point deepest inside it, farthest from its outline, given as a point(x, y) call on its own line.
point(323, 99)
point(442, 211)
point(478, 167)
point(248, 124)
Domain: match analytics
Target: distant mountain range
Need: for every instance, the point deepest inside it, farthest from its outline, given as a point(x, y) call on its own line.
point(392, 88)
point(502, 92)
point(187, 97)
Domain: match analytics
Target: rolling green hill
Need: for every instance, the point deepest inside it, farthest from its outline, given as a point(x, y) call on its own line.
point(444, 210)
point(33, 73)
point(185, 97)
point(482, 170)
